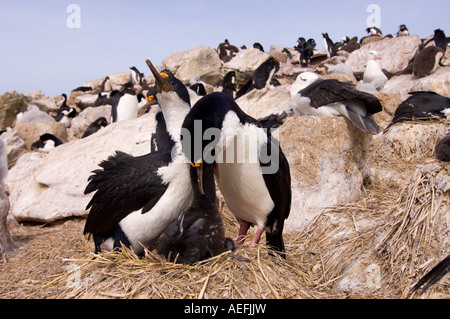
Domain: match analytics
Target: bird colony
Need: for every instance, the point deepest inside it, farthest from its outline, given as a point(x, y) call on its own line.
point(330, 165)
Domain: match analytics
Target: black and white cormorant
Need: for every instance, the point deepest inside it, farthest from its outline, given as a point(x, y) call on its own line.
point(136, 198)
point(251, 170)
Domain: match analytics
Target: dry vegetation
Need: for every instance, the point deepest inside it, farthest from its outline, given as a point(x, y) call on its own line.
point(398, 230)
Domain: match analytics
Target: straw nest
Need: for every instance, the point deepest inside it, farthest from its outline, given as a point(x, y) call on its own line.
point(400, 231)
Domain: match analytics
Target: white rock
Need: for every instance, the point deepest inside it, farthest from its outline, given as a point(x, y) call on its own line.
point(262, 103)
point(396, 53)
point(439, 82)
point(45, 187)
point(244, 64)
point(203, 62)
point(327, 158)
point(82, 121)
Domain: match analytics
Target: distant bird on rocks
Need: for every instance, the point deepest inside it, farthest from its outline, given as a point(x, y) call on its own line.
point(328, 98)
point(351, 45)
point(373, 72)
point(330, 46)
point(427, 61)
point(306, 50)
point(262, 77)
point(421, 106)
point(374, 31)
point(46, 143)
point(124, 104)
point(229, 84)
point(440, 40)
point(95, 126)
point(226, 51)
point(136, 76)
point(403, 31)
point(258, 46)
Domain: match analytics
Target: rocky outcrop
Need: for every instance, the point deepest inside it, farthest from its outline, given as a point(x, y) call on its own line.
point(203, 62)
point(11, 103)
point(396, 53)
point(327, 157)
point(244, 64)
point(45, 187)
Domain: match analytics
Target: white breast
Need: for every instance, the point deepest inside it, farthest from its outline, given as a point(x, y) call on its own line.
point(127, 108)
point(372, 72)
point(143, 229)
point(239, 173)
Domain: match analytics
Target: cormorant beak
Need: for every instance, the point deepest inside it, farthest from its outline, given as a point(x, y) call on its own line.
point(162, 83)
point(199, 167)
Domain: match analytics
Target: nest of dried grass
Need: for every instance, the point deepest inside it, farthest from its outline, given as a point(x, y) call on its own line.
point(397, 230)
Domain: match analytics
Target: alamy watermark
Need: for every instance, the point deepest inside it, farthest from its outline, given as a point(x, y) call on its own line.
point(73, 21)
point(374, 19)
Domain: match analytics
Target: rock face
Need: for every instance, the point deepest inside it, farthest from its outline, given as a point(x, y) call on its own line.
point(11, 103)
point(327, 157)
point(203, 62)
point(47, 187)
point(262, 103)
point(244, 64)
point(396, 53)
point(439, 82)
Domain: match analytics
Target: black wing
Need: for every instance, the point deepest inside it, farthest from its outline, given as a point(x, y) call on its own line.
point(421, 105)
point(325, 92)
point(123, 185)
point(279, 186)
point(434, 275)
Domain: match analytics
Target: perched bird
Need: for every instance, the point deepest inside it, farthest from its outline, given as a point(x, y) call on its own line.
point(124, 104)
point(136, 198)
point(373, 72)
point(442, 149)
point(427, 61)
point(258, 46)
point(440, 40)
point(327, 98)
point(198, 233)
point(432, 277)
point(256, 186)
point(262, 77)
point(226, 51)
point(351, 45)
point(229, 84)
point(136, 76)
point(330, 46)
point(306, 50)
point(420, 106)
point(65, 113)
point(95, 126)
point(374, 31)
point(403, 31)
point(46, 143)
point(103, 97)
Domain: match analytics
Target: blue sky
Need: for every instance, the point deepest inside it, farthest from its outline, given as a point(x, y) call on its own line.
point(40, 52)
